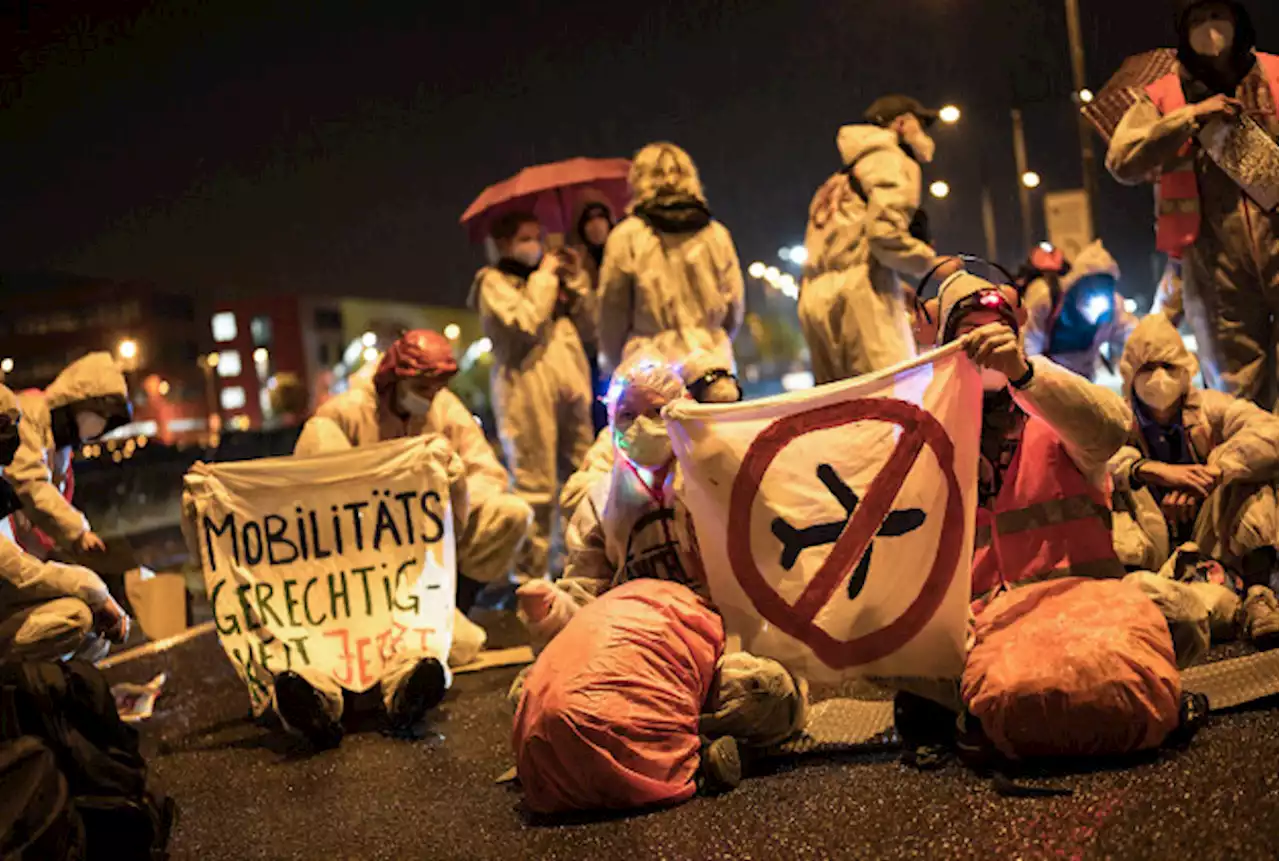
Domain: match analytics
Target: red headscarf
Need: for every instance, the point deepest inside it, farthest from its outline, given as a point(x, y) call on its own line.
point(420, 353)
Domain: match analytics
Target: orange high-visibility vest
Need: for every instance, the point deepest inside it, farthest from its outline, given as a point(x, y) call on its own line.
point(1047, 521)
point(1177, 195)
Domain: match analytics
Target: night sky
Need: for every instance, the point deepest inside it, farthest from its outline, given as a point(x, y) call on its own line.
point(330, 147)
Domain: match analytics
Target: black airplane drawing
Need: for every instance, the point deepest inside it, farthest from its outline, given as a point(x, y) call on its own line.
point(795, 541)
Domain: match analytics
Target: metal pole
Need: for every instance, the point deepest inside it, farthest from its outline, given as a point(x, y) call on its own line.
point(1082, 125)
point(1020, 164)
point(989, 223)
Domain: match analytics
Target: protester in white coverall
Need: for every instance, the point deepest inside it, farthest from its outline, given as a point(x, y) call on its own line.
point(408, 397)
point(1070, 321)
point(1200, 466)
point(1227, 241)
point(859, 243)
point(670, 281)
point(88, 399)
point(632, 525)
point(533, 307)
point(48, 610)
point(707, 378)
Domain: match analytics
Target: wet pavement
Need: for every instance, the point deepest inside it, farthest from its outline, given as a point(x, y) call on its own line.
point(247, 792)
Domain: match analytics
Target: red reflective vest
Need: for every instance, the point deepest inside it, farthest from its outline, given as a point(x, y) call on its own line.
point(1048, 521)
point(1177, 196)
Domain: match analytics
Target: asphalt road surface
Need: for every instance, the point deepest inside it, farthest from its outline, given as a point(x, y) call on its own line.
point(247, 792)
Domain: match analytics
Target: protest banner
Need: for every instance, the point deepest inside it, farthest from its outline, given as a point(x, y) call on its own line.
point(335, 562)
point(835, 526)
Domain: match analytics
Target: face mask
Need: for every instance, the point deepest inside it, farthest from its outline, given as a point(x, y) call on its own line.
point(1212, 38)
point(993, 380)
point(413, 403)
point(646, 443)
point(90, 426)
point(1158, 389)
point(922, 146)
point(528, 253)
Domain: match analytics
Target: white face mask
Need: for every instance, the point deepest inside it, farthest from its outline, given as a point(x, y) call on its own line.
point(646, 443)
point(993, 380)
point(413, 403)
point(1158, 389)
point(528, 253)
point(1212, 38)
point(90, 425)
point(921, 145)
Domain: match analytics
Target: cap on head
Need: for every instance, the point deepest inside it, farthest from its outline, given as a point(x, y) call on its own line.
point(965, 292)
point(419, 353)
point(886, 109)
point(643, 375)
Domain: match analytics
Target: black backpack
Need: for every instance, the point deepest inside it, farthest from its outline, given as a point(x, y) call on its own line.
point(69, 706)
point(38, 822)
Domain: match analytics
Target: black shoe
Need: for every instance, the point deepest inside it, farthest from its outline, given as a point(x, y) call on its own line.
point(301, 708)
point(467, 592)
point(426, 686)
point(927, 731)
point(720, 766)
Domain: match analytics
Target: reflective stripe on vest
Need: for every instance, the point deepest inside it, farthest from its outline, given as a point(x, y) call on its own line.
point(1047, 520)
point(1177, 197)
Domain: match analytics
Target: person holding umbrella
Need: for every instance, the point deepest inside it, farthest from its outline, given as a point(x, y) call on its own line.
point(670, 277)
point(533, 305)
point(1206, 216)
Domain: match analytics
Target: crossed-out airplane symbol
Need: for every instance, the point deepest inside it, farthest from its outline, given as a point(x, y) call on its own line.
point(795, 540)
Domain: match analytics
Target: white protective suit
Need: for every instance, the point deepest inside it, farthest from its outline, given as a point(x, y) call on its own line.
point(671, 280)
point(497, 520)
point(541, 387)
point(40, 468)
point(1229, 433)
point(858, 241)
point(1038, 301)
point(46, 608)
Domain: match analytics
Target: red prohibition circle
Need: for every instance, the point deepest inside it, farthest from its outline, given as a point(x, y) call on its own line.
point(919, 429)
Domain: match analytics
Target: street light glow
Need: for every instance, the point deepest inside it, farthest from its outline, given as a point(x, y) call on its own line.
point(370, 354)
point(212, 360)
point(1086, 96)
point(128, 349)
point(771, 273)
point(369, 339)
point(799, 254)
point(452, 331)
point(949, 114)
point(785, 253)
point(163, 388)
point(756, 270)
point(7, 366)
point(939, 189)
point(1031, 179)
point(260, 355)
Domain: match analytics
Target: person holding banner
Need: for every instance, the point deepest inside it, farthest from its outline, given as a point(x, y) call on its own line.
point(88, 399)
point(48, 610)
point(535, 307)
point(408, 396)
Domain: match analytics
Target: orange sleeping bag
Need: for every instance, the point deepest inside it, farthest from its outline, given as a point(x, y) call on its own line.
point(609, 713)
point(1073, 667)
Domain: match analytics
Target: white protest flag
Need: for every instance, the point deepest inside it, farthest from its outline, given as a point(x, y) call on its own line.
point(335, 562)
point(836, 525)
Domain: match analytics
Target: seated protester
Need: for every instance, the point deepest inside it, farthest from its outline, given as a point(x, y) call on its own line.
point(632, 525)
point(1073, 310)
point(1200, 467)
point(88, 399)
point(48, 611)
point(707, 378)
point(1047, 435)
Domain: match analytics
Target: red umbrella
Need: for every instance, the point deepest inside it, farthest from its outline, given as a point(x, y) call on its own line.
point(1125, 88)
point(551, 192)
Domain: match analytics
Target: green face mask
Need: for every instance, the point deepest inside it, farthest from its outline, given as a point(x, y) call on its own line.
point(646, 443)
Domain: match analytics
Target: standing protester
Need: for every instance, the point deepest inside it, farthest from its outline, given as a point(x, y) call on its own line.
point(1226, 241)
point(592, 224)
point(1074, 310)
point(48, 610)
point(670, 278)
point(88, 399)
point(861, 237)
point(533, 307)
point(408, 396)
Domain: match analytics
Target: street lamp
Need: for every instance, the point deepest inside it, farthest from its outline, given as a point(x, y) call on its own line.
point(369, 339)
point(950, 114)
point(756, 270)
point(127, 349)
point(1085, 96)
point(452, 331)
point(939, 189)
point(6, 366)
point(1030, 179)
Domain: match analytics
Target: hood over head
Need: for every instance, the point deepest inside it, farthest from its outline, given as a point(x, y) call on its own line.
point(1093, 259)
point(1155, 340)
point(957, 295)
point(1242, 45)
point(591, 202)
point(644, 374)
point(856, 141)
point(886, 109)
point(92, 383)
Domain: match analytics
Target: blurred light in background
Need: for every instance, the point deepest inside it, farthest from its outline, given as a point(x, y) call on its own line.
point(939, 189)
point(6, 366)
point(453, 331)
point(369, 339)
point(949, 114)
point(797, 381)
point(1131, 305)
point(1031, 179)
point(755, 270)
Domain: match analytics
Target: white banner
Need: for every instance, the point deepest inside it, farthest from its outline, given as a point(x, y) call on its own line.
point(836, 525)
point(336, 562)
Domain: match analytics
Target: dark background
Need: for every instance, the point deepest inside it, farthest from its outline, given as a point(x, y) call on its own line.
point(330, 147)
